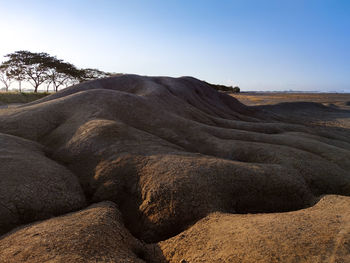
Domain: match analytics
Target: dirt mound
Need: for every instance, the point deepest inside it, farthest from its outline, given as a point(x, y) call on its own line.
point(171, 151)
point(317, 234)
point(95, 234)
point(33, 187)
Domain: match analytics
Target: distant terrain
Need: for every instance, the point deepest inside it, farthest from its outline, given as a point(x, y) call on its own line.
point(159, 169)
point(336, 100)
point(325, 109)
point(7, 98)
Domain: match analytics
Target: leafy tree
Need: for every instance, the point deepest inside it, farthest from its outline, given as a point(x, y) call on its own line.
point(4, 78)
point(25, 65)
point(14, 70)
point(39, 68)
point(60, 73)
point(91, 74)
point(236, 90)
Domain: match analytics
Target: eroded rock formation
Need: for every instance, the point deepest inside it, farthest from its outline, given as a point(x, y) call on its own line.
point(168, 152)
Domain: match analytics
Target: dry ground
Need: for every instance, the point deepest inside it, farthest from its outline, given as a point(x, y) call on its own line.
point(337, 100)
point(296, 106)
point(158, 169)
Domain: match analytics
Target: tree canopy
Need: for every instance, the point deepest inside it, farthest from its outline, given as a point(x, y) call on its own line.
point(236, 89)
point(223, 88)
point(40, 68)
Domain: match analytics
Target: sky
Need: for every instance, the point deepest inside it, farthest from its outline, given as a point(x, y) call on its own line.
point(266, 45)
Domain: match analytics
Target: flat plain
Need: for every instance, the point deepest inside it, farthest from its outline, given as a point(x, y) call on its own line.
point(304, 107)
point(337, 100)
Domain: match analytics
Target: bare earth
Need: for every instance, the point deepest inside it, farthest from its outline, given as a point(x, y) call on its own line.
point(336, 100)
point(158, 169)
point(284, 101)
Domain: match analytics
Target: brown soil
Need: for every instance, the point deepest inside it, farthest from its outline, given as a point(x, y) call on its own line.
point(95, 234)
point(172, 154)
point(317, 234)
point(325, 109)
point(336, 100)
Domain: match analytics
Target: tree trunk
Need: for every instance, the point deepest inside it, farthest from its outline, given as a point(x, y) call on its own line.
point(20, 86)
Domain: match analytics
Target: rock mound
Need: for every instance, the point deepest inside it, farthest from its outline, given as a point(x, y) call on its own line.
point(169, 152)
point(32, 186)
point(317, 234)
point(95, 234)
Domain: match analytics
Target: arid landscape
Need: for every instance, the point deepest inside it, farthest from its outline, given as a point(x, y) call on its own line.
point(158, 169)
point(317, 110)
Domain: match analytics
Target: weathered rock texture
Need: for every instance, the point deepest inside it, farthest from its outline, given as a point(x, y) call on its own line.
point(317, 234)
point(32, 186)
point(169, 152)
point(95, 234)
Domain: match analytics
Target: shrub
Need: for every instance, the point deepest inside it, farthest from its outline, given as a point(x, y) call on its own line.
point(236, 89)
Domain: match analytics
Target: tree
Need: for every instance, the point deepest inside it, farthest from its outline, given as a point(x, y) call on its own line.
point(236, 90)
point(25, 65)
point(4, 78)
point(60, 73)
point(14, 71)
point(91, 74)
point(39, 68)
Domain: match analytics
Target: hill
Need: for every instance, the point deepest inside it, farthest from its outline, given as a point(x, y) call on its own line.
point(178, 163)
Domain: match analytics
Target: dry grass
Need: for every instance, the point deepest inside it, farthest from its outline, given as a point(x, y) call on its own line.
point(20, 97)
point(337, 100)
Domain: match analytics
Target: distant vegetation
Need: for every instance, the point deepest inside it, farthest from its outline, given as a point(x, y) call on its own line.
point(236, 90)
point(20, 97)
point(43, 69)
point(226, 88)
point(40, 69)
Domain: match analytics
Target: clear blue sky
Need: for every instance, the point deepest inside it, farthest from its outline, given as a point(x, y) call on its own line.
point(258, 45)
